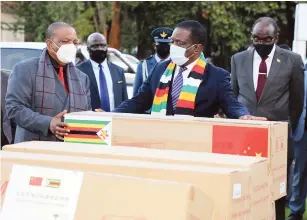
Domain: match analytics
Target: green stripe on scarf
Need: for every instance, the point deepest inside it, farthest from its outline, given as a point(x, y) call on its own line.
point(186, 102)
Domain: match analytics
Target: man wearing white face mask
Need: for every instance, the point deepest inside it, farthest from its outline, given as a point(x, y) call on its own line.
point(42, 90)
point(187, 85)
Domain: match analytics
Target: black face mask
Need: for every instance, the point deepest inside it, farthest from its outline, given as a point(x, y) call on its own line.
point(163, 50)
point(263, 50)
point(98, 55)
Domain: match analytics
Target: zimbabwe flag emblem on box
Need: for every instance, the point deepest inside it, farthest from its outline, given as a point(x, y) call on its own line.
point(89, 131)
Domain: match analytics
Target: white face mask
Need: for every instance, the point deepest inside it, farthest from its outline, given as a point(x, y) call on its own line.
point(177, 54)
point(66, 53)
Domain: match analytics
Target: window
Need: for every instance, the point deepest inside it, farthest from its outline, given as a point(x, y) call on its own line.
point(11, 56)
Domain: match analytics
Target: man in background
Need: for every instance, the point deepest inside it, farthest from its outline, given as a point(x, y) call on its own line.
point(162, 47)
point(108, 83)
point(269, 81)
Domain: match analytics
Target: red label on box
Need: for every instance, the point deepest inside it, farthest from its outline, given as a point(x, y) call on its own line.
point(35, 181)
point(3, 187)
point(243, 141)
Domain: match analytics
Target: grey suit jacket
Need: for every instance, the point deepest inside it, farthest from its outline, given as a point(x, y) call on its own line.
point(282, 98)
point(23, 99)
point(6, 126)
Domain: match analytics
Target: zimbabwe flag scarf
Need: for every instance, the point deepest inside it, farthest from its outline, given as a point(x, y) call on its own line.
point(186, 101)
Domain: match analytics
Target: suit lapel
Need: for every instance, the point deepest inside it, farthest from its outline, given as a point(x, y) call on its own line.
point(276, 61)
point(152, 62)
point(115, 82)
point(248, 66)
point(91, 75)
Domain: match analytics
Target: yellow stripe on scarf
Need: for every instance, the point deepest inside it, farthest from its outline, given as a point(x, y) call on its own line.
point(201, 63)
point(159, 100)
point(187, 96)
point(171, 66)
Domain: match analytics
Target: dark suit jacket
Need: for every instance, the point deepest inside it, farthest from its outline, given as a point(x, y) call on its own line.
point(119, 83)
point(283, 95)
point(214, 92)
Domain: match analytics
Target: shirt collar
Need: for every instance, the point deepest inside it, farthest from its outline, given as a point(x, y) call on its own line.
point(191, 65)
point(96, 65)
point(158, 59)
point(272, 52)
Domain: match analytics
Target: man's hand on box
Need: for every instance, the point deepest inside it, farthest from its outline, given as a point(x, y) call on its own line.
point(57, 127)
point(250, 117)
point(99, 110)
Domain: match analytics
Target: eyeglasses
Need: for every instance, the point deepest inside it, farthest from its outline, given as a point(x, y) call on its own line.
point(262, 40)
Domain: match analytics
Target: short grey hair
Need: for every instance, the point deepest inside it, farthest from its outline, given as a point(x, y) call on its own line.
point(54, 26)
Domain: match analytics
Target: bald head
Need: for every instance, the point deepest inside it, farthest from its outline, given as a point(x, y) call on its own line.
point(96, 39)
point(97, 47)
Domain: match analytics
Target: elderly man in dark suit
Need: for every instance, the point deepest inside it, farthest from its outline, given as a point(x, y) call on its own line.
point(186, 84)
point(269, 81)
point(41, 90)
point(108, 83)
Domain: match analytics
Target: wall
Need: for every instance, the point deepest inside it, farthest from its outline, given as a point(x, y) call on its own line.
point(9, 35)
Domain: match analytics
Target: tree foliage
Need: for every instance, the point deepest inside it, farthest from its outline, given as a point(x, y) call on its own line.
point(228, 23)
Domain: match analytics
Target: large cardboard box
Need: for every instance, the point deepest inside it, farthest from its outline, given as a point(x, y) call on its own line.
point(103, 196)
point(258, 167)
point(229, 188)
point(227, 136)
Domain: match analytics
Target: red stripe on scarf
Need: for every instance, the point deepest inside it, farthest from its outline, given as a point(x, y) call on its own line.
point(162, 92)
point(198, 69)
point(185, 104)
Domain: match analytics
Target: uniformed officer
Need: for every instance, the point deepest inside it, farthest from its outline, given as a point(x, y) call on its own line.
point(162, 47)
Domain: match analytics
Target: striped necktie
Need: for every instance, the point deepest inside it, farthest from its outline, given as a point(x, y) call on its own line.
point(177, 86)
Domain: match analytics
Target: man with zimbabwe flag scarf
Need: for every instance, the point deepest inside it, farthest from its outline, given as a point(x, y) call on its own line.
point(186, 84)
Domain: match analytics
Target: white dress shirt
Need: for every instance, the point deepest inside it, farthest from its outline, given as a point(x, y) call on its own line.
point(256, 64)
point(158, 59)
point(107, 73)
point(185, 73)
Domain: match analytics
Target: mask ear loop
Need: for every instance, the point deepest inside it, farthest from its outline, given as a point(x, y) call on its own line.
point(55, 44)
point(190, 48)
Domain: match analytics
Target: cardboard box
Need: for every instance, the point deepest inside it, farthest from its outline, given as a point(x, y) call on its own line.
point(107, 197)
point(272, 212)
point(227, 136)
point(260, 184)
point(229, 188)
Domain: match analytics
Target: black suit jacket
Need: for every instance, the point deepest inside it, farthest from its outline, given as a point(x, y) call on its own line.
point(213, 93)
point(119, 83)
